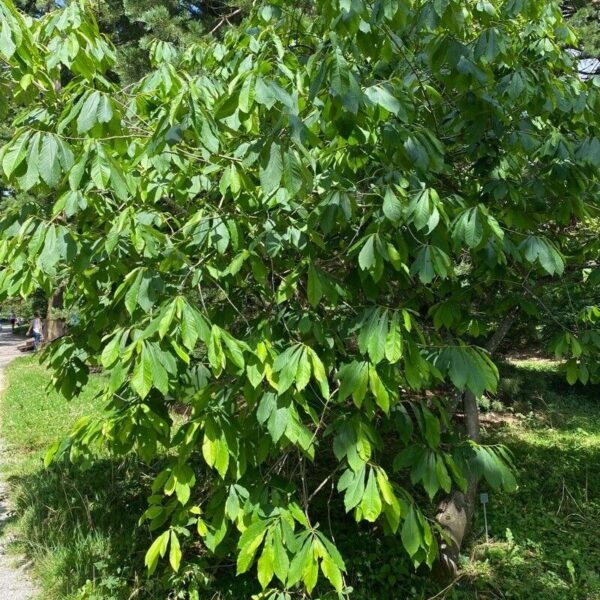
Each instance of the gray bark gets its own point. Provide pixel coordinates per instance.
(54, 328)
(456, 512)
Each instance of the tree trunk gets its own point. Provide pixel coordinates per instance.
(456, 511)
(55, 328)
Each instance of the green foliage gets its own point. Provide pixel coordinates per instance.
(84, 552)
(510, 388)
(290, 234)
(80, 550)
(542, 537)
(24, 309)
(585, 20)
(134, 25)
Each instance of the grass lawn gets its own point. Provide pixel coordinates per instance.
(544, 541)
(33, 416)
(76, 525)
(80, 526)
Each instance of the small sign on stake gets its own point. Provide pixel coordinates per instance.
(484, 500)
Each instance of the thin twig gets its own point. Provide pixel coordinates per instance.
(225, 19)
(452, 584)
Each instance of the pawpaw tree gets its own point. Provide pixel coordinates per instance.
(306, 234)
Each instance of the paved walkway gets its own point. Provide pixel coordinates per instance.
(15, 583)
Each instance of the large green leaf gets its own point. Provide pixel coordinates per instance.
(271, 171)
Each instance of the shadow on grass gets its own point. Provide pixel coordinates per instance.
(545, 535)
(81, 525)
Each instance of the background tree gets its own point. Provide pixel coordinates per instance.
(134, 24)
(584, 17)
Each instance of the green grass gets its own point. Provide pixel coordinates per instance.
(34, 416)
(544, 538)
(77, 525)
(546, 534)
(80, 526)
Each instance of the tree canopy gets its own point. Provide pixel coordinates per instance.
(304, 233)
(584, 17)
(133, 25)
